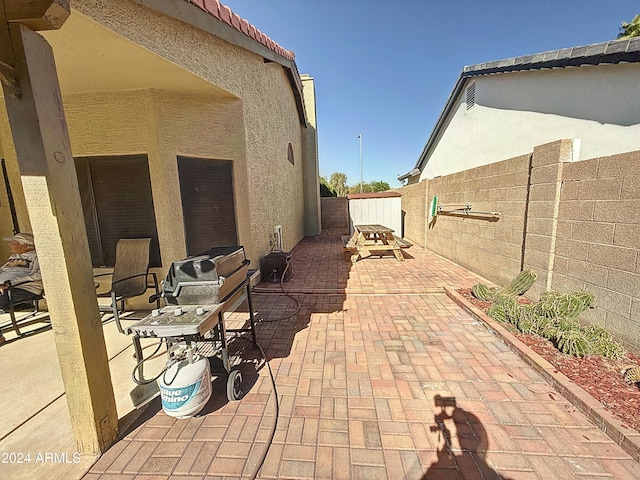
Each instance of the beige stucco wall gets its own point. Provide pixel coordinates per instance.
(248, 115)
(514, 112)
(270, 120)
(162, 125)
(312, 217)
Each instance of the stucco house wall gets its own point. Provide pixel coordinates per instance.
(237, 107)
(269, 118)
(162, 125)
(514, 112)
(505, 108)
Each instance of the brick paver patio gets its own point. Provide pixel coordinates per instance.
(379, 375)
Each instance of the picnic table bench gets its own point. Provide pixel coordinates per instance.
(373, 238)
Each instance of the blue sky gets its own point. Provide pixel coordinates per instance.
(384, 69)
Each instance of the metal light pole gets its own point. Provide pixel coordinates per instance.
(360, 137)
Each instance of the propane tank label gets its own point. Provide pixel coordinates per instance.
(174, 398)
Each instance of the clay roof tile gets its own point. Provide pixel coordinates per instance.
(213, 7)
(224, 13)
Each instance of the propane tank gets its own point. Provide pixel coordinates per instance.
(185, 386)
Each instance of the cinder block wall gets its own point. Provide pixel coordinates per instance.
(598, 240)
(489, 246)
(543, 203)
(414, 213)
(576, 224)
(335, 213)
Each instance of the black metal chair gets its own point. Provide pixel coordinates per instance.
(130, 277)
(26, 319)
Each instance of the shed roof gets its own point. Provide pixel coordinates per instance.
(612, 52)
(386, 194)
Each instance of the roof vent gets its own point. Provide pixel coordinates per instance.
(471, 95)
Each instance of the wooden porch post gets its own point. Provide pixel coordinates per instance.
(43, 154)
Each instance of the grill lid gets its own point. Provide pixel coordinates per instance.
(199, 279)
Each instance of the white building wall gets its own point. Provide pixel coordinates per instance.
(514, 112)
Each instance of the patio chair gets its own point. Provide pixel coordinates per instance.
(26, 319)
(130, 276)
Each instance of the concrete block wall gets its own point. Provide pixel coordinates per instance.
(414, 212)
(335, 213)
(541, 216)
(598, 240)
(489, 246)
(576, 224)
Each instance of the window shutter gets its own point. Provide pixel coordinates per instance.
(208, 209)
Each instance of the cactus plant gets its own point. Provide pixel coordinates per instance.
(588, 298)
(510, 306)
(555, 329)
(554, 317)
(632, 375)
(571, 306)
(573, 342)
(498, 313)
(597, 333)
(546, 308)
(555, 304)
(483, 292)
(549, 331)
(521, 284)
(609, 349)
(528, 321)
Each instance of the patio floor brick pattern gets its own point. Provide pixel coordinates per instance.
(358, 369)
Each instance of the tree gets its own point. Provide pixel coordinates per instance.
(325, 188)
(371, 187)
(379, 186)
(338, 183)
(629, 30)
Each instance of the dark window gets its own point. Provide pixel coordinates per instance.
(206, 188)
(117, 203)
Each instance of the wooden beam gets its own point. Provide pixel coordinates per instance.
(43, 154)
(37, 14)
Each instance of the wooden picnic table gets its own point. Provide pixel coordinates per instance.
(372, 238)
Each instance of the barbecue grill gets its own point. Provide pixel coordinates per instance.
(207, 278)
(198, 291)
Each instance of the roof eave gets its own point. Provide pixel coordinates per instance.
(197, 17)
(410, 174)
(441, 120)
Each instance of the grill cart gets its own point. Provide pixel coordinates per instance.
(198, 291)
